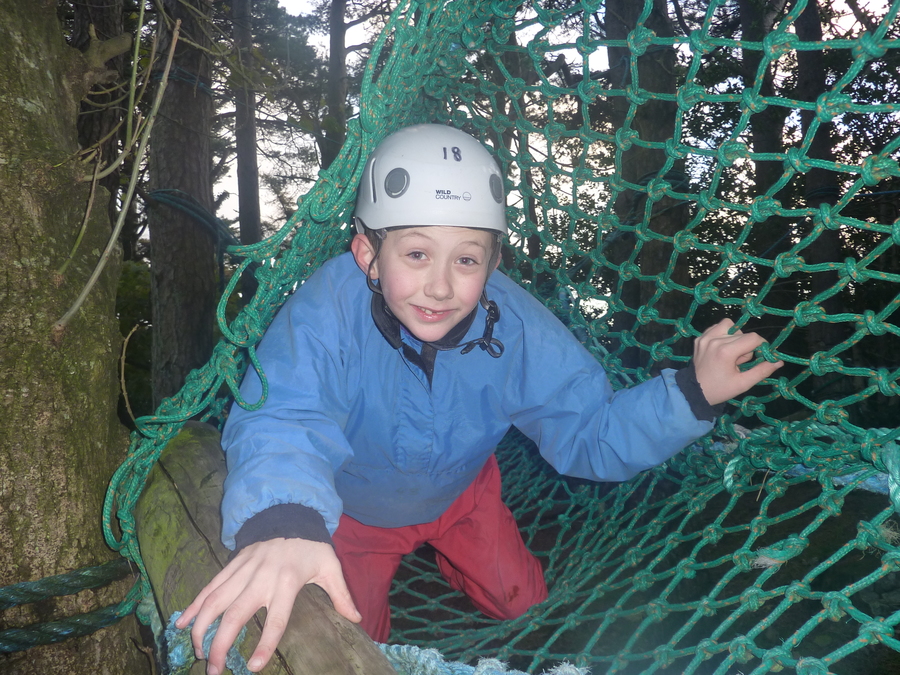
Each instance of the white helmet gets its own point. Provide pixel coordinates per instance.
(431, 174)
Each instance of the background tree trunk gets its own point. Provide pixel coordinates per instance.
(183, 252)
(245, 135)
(653, 121)
(60, 440)
(335, 123)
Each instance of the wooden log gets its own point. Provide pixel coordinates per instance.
(178, 526)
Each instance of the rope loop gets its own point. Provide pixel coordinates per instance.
(877, 168)
(831, 104)
(753, 101)
(764, 207)
(779, 42)
(689, 95)
(867, 46)
(639, 40)
(731, 151)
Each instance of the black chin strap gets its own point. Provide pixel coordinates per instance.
(487, 341)
(389, 326)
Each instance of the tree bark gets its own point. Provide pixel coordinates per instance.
(60, 440)
(654, 121)
(245, 136)
(335, 123)
(183, 252)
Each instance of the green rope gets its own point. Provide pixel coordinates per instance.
(635, 218)
(63, 584)
(20, 639)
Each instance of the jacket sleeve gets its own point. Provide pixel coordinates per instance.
(564, 402)
(286, 453)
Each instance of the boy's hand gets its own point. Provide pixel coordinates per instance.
(717, 355)
(267, 574)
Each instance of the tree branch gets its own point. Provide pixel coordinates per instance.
(60, 326)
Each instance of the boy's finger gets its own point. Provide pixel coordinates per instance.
(761, 371)
(277, 617)
(341, 599)
(233, 620)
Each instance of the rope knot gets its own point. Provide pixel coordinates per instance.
(821, 363)
(753, 598)
(876, 631)
(625, 138)
(699, 43)
(829, 412)
(777, 43)
(826, 217)
(690, 95)
(742, 647)
(640, 39)
(831, 104)
(763, 208)
(877, 168)
(796, 159)
(835, 604)
(637, 95)
(753, 102)
(664, 656)
(810, 666)
(731, 151)
(885, 381)
(868, 47)
(871, 324)
(786, 264)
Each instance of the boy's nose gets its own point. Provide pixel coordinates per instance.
(438, 285)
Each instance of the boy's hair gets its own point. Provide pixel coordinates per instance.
(376, 238)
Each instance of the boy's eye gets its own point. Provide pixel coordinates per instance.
(416, 255)
(465, 260)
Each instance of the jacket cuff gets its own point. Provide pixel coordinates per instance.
(686, 379)
(290, 521)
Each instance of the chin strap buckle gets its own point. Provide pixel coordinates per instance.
(487, 342)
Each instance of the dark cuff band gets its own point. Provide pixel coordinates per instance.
(686, 379)
(290, 521)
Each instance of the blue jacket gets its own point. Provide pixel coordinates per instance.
(351, 425)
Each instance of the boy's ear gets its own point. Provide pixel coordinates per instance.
(364, 254)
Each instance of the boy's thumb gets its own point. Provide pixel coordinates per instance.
(763, 370)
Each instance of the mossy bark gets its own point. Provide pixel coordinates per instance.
(59, 437)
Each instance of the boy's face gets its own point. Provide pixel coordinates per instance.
(431, 277)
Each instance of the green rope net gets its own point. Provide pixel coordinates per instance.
(662, 175)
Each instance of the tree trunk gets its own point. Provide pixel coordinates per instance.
(654, 121)
(60, 440)
(183, 252)
(245, 136)
(335, 123)
(821, 187)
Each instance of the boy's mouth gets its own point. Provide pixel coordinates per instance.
(432, 313)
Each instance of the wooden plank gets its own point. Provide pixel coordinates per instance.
(178, 526)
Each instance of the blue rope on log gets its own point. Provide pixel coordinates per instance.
(20, 639)
(63, 584)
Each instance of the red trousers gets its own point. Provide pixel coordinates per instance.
(479, 552)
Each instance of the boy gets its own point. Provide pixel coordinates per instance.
(393, 372)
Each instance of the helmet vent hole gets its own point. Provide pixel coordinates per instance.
(396, 182)
(496, 188)
(372, 180)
